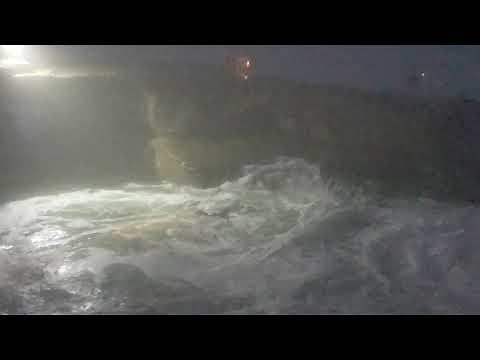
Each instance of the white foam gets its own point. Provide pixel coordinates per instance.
(274, 230)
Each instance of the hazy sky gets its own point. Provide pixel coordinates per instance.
(452, 68)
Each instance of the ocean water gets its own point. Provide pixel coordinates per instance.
(280, 239)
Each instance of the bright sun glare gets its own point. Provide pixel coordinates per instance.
(14, 50)
(13, 56)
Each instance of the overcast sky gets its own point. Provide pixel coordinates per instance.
(453, 68)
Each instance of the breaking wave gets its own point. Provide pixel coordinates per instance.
(280, 239)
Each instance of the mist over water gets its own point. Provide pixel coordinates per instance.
(279, 239)
(239, 179)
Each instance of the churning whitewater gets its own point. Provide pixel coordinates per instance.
(279, 239)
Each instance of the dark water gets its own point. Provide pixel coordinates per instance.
(278, 240)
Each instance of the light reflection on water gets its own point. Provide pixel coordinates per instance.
(49, 237)
(279, 239)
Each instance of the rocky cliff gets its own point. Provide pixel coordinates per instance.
(207, 127)
(198, 125)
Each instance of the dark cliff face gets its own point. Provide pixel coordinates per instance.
(419, 146)
(206, 125)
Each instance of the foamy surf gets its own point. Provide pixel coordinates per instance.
(280, 239)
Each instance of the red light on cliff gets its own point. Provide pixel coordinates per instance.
(240, 66)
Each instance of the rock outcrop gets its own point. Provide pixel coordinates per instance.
(199, 125)
(207, 127)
